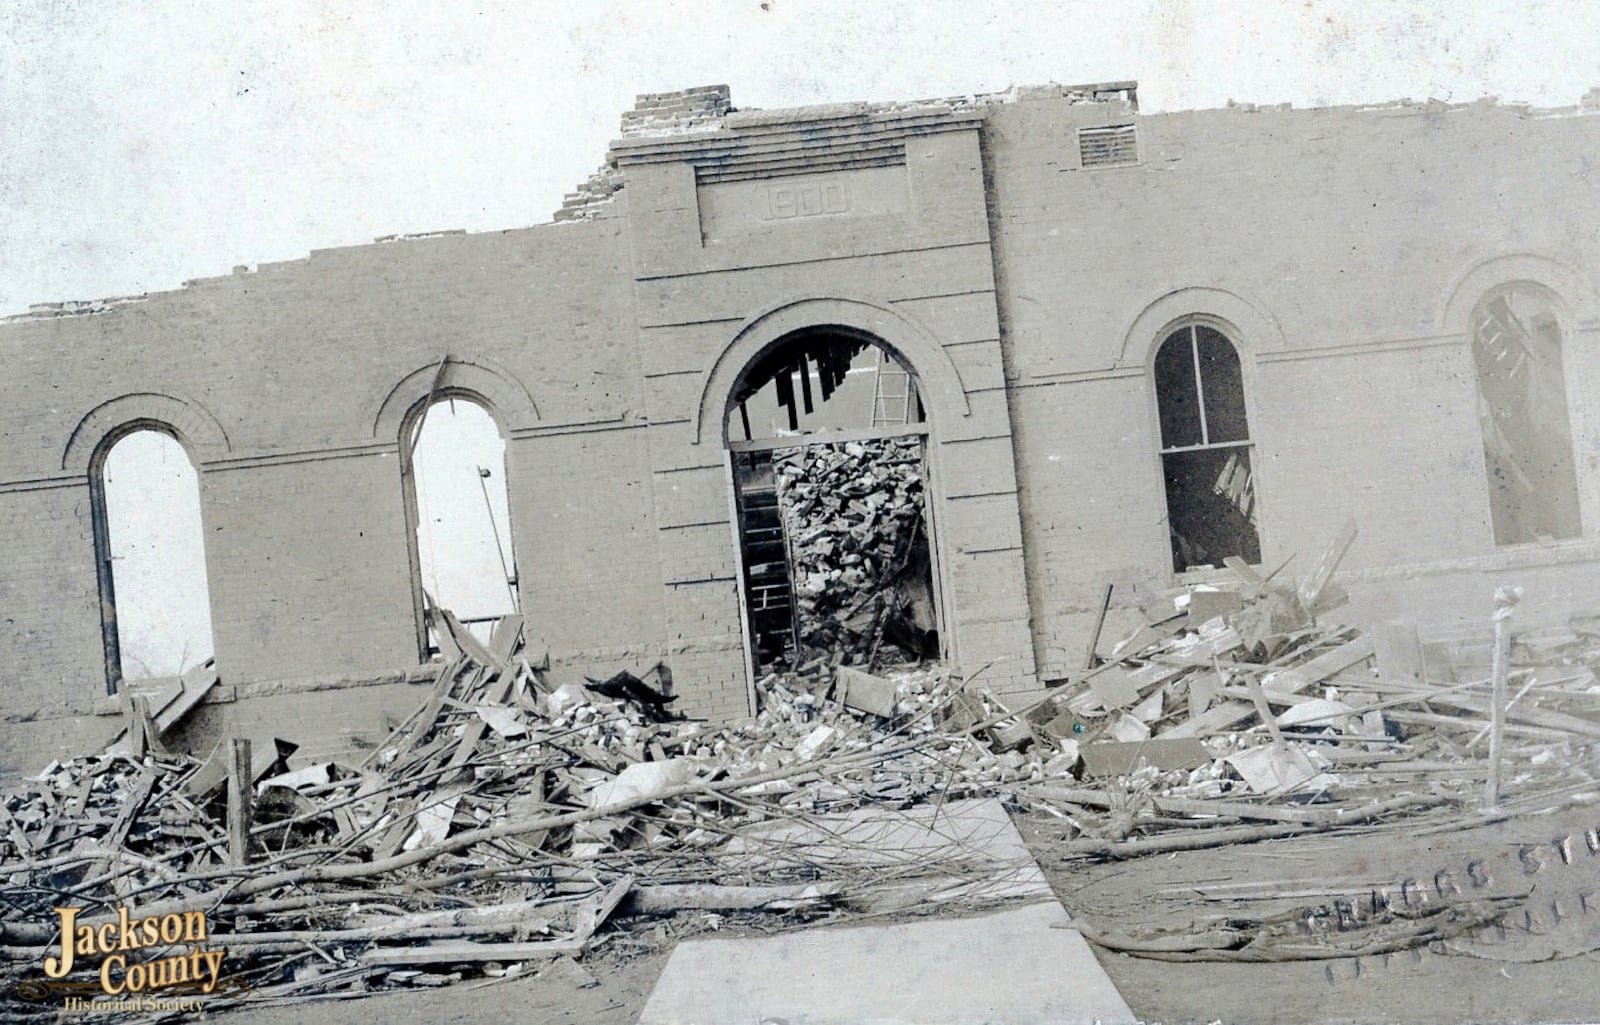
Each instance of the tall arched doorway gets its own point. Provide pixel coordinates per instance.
(155, 599)
(827, 442)
(458, 516)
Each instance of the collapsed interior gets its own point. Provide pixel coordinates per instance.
(1522, 406)
(827, 441)
(1205, 449)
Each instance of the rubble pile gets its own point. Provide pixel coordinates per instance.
(503, 823)
(1231, 702)
(858, 550)
(509, 822)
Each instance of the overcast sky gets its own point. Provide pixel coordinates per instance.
(143, 143)
(146, 142)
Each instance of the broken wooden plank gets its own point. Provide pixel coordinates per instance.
(503, 641)
(1215, 719)
(452, 951)
(1398, 649)
(1252, 584)
(668, 898)
(599, 908)
(1311, 588)
(167, 707)
(1298, 678)
(473, 732)
(469, 645)
(133, 803)
(1259, 699)
(1093, 655)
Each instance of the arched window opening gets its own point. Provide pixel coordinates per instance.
(827, 437)
(150, 547)
(461, 518)
(1522, 409)
(1205, 449)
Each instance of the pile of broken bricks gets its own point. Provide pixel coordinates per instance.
(510, 825)
(858, 559)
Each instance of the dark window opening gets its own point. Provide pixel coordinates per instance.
(461, 519)
(150, 549)
(830, 478)
(1522, 409)
(1205, 449)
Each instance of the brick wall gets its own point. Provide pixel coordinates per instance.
(1343, 247)
(288, 384)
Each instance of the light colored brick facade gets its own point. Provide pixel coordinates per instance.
(1342, 250)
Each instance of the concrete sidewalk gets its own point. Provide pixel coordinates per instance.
(1014, 966)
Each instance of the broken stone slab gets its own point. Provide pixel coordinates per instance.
(1107, 758)
(1205, 605)
(1114, 687)
(865, 692)
(1272, 771)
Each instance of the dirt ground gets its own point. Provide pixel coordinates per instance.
(1162, 891)
(1420, 988)
(550, 998)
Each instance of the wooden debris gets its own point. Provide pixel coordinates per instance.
(507, 819)
(239, 800)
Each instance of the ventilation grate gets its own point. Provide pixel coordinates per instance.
(1111, 146)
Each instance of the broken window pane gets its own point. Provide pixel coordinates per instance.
(1177, 398)
(1522, 402)
(159, 616)
(463, 529)
(1222, 383)
(1205, 449)
(1211, 506)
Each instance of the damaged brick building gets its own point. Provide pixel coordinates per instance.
(1080, 345)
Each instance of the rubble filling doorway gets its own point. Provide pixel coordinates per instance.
(827, 441)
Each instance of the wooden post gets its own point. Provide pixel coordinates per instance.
(1099, 625)
(137, 711)
(239, 800)
(1505, 599)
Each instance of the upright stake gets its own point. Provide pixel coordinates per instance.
(1505, 599)
(239, 801)
(1099, 625)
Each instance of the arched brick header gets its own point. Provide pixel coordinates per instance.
(197, 430)
(509, 402)
(1247, 326)
(917, 347)
(1571, 292)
